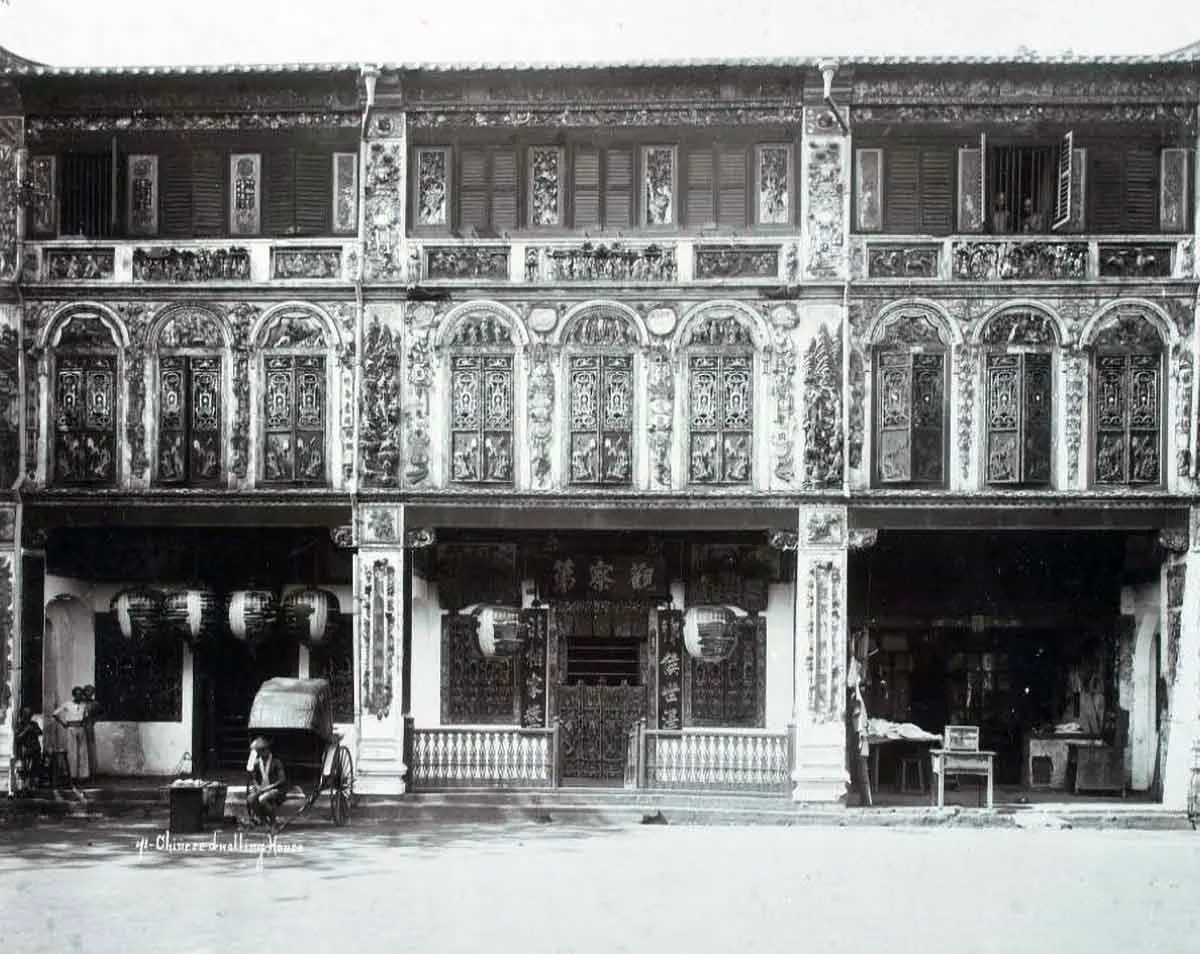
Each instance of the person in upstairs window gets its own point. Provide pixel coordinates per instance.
(1032, 221)
(268, 783)
(1001, 215)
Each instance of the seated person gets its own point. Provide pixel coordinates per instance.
(27, 754)
(268, 783)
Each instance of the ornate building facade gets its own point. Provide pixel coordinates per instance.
(612, 410)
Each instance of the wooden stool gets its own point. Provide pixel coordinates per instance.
(912, 774)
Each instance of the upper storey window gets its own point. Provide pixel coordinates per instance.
(481, 402)
(190, 400)
(1127, 402)
(720, 368)
(602, 185)
(911, 404)
(186, 192)
(600, 395)
(1067, 185)
(294, 403)
(85, 368)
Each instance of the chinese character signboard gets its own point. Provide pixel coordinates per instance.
(533, 669)
(615, 577)
(670, 669)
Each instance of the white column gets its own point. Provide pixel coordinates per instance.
(380, 568)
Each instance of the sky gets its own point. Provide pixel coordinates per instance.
(206, 32)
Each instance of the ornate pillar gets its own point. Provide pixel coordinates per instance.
(819, 772)
(10, 659)
(380, 575)
(1180, 636)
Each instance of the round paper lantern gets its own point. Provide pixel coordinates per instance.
(138, 611)
(252, 614)
(194, 613)
(498, 630)
(707, 633)
(308, 615)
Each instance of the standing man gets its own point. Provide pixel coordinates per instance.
(71, 716)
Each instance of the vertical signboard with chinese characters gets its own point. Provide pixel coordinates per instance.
(670, 670)
(533, 668)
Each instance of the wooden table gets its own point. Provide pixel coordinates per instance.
(949, 762)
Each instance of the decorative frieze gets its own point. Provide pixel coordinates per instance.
(541, 415)
(313, 264)
(736, 261)
(1024, 116)
(903, 261)
(1020, 261)
(176, 265)
(183, 122)
(380, 413)
(78, 264)
(383, 202)
(601, 263)
(480, 263)
(1030, 85)
(601, 117)
(1136, 261)
(823, 411)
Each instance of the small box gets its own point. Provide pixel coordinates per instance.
(961, 738)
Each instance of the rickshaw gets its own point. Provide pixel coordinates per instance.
(296, 717)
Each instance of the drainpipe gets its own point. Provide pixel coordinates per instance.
(828, 68)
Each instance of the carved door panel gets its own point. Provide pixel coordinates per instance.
(594, 723)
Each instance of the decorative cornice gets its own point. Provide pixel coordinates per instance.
(190, 122)
(1023, 113)
(602, 116)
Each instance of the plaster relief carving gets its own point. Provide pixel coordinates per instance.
(660, 380)
(660, 322)
(137, 320)
(416, 406)
(543, 320)
(826, 528)
(1181, 376)
(380, 407)
(783, 393)
(383, 200)
(823, 411)
(1075, 376)
(825, 642)
(242, 318)
(824, 229)
(379, 632)
(965, 368)
(541, 415)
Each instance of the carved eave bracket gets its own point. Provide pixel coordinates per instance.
(1174, 542)
(862, 539)
(420, 538)
(342, 537)
(785, 540)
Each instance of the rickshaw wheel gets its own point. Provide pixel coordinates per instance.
(341, 787)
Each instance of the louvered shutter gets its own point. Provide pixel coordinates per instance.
(208, 193)
(1141, 190)
(732, 209)
(699, 210)
(279, 207)
(313, 185)
(473, 189)
(618, 188)
(586, 195)
(1106, 168)
(937, 190)
(902, 190)
(504, 190)
(175, 193)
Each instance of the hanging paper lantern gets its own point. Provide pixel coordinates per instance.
(138, 611)
(194, 613)
(308, 615)
(252, 614)
(708, 634)
(498, 630)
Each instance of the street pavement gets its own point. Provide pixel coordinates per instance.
(561, 888)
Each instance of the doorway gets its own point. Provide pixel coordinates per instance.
(603, 653)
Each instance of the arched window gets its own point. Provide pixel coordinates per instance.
(85, 403)
(1019, 388)
(1127, 402)
(481, 401)
(190, 354)
(600, 394)
(720, 368)
(910, 404)
(294, 411)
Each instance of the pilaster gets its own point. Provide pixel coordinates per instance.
(380, 574)
(822, 539)
(1181, 665)
(9, 638)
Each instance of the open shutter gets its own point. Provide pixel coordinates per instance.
(279, 207)
(208, 194)
(586, 194)
(504, 190)
(699, 209)
(902, 186)
(473, 189)
(1062, 202)
(311, 191)
(732, 208)
(1173, 190)
(972, 187)
(869, 194)
(618, 189)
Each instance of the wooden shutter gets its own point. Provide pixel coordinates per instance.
(279, 206)
(1107, 174)
(504, 189)
(902, 189)
(699, 209)
(208, 193)
(586, 194)
(1065, 182)
(1174, 183)
(175, 193)
(1141, 190)
(311, 189)
(473, 189)
(618, 188)
(937, 190)
(732, 208)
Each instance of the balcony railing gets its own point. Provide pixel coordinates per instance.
(608, 261)
(484, 757)
(190, 261)
(1023, 259)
